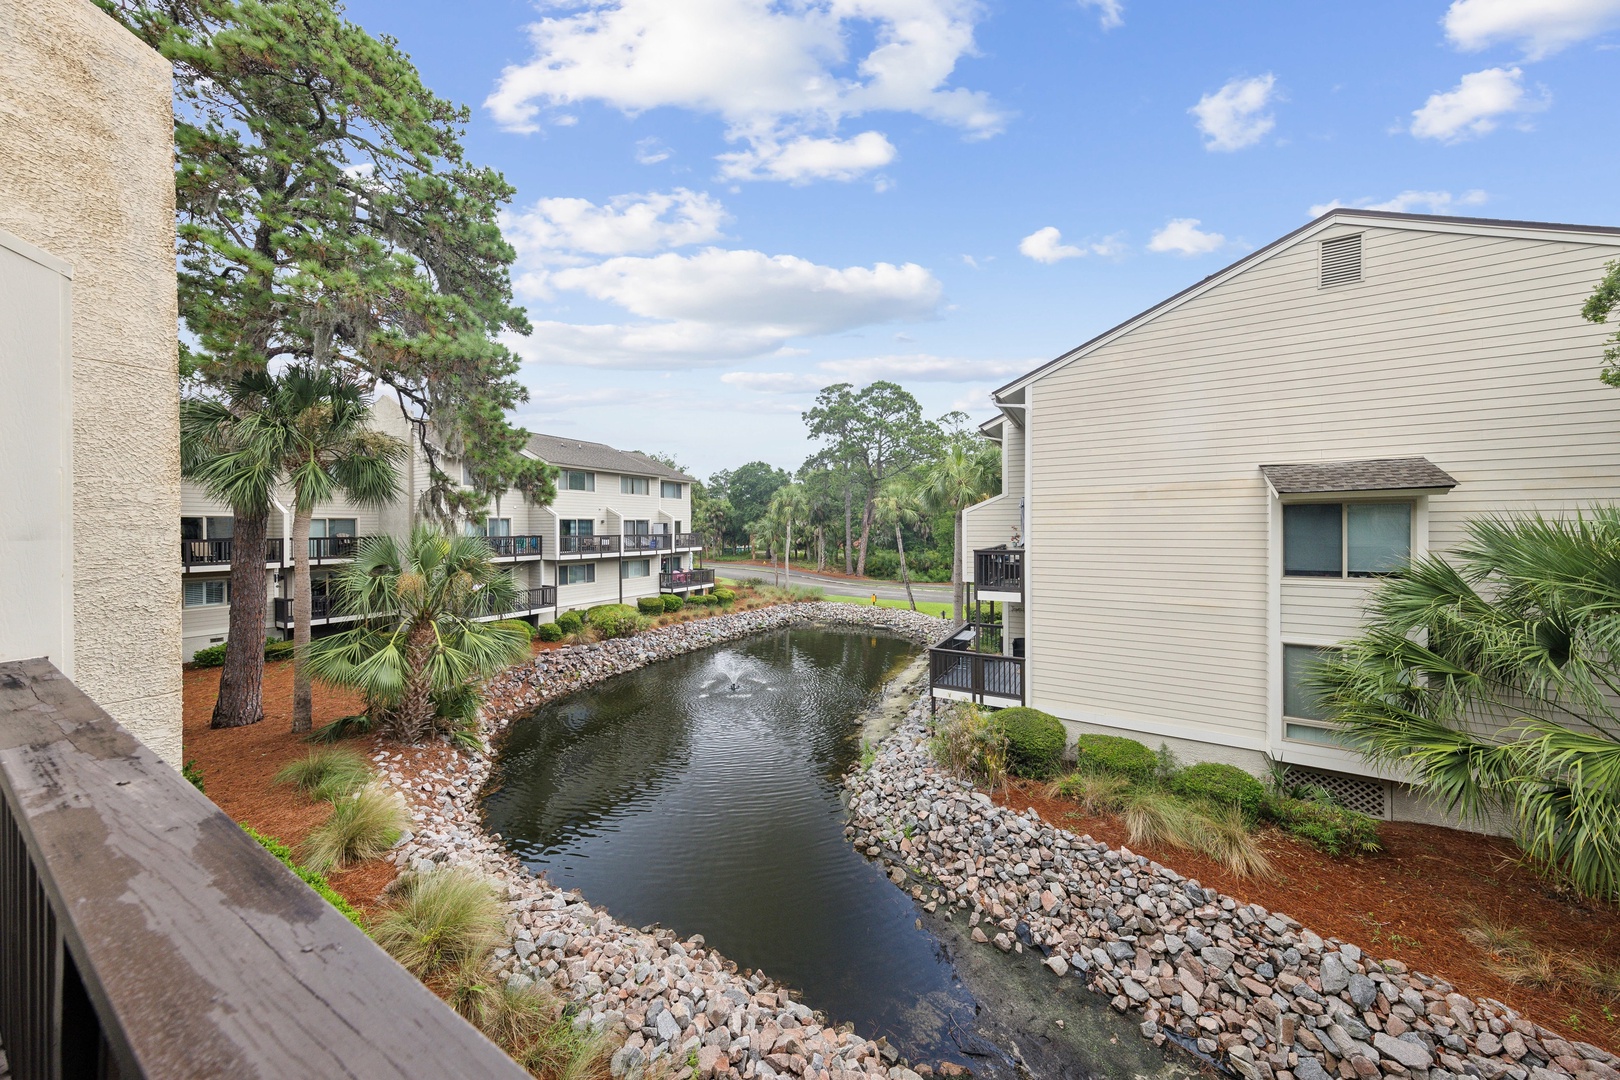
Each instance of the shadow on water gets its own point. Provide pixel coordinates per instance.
(702, 793)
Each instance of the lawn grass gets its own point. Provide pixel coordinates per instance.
(927, 607)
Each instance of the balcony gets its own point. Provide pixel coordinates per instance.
(322, 611)
(516, 548)
(998, 574)
(330, 549)
(688, 542)
(969, 666)
(638, 543)
(528, 602)
(144, 935)
(215, 555)
(587, 545)
(685, 580)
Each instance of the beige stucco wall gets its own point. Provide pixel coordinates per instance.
(86, 174)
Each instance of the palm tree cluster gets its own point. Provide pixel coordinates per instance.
(1492, 680)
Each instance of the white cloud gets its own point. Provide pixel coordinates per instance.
(921, 367)
(807, 158)
(1183, 237)
(716, 306)
(773, 72)
(1110, 13)
(774, 382)
(1473, 107)
(1046, 246)
(1433, 202)
(624, 225)
(651, 150)
(1542, 27)
(1235, 116)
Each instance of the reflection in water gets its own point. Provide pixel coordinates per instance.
(702, 793)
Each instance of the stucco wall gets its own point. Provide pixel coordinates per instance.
(86, 163)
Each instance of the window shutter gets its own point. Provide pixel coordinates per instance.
(1341, 261)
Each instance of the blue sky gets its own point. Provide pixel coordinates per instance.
(723, 205)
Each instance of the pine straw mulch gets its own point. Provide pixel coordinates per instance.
(1409, 903)
(238, 764)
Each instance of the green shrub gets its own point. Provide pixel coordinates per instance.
(519, 626)
(534, 1026)
(277, 649)
(571, 622)
(549, 631)
(1221, 786)
(650, 605)
(1097, 793)
(1034, 741)
(702, 599)
(362, 826)
(212, 656)
(190, 771)
(969, 742)
(1117, 755)
(441, 920)
(1324, 825)
(673, 602)
(724, 597)
(309, 877)
(328, 774)
(616, 620)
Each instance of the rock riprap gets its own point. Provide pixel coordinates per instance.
(1262, 994)
(675, 999)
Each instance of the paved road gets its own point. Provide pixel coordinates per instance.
(838, 586)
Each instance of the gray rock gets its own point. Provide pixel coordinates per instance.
(519, 983)
(1413, 1055)
(1363, 992)
(1216, 957)
(668, 1029)
(1334, 976)
(1196, 939)
(1121, 950)
(1310, 1069)
(1059, 966)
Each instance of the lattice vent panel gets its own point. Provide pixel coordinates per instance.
(1356, 792)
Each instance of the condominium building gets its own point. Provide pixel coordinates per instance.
(1198, 501)
(619, 529)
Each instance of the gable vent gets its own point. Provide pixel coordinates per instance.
(1341, 260)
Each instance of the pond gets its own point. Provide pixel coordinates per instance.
(702, 793)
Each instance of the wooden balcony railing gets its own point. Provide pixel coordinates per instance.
(685, 579)
(206, 553)
(516, 547)
(588, 545)
(969, 665)
(144, 935)
(999, 570)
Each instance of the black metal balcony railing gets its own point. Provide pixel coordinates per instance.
(588, 545)
(218, 552)
(636, 542)
(685, 579)
(144, 935)
(329, 548)
(516, 547)
(322, 608)
(528, 601)
(685, 541)
(999, 569)
(970, 663)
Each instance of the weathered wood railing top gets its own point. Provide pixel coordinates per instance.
(198, 953)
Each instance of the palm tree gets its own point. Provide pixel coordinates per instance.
(961, 477)
(1493, 681)
(898, 505)
(419, 601)
(328, 449)
(789, 506)
(221, 448)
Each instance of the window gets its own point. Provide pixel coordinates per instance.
(466, 474)
(207, 593)
(490, 527)
(1357, 539)
(669, 489)
(576, 574)
(635, 568)
(633, 485)
(638, 528)
(207, 528)
(577, 526)
(1304, 716)
(577, 480)
(322, 527)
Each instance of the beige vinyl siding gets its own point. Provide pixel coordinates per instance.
(1318, 611)
(988, 524)
(1150, 521)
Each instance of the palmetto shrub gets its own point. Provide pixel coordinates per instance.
(1491, 677)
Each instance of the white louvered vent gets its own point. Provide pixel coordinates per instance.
(1341, 260)
(1354, 792)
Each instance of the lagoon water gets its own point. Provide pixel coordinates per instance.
(702, 793)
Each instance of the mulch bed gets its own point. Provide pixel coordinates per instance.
(238, 764)
(1408, 903)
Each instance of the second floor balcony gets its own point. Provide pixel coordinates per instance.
(517, 548)
(323, 610)
(587, 545)
(527, 602)
(215, 555)
(998, 574)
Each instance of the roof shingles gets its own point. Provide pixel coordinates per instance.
(1383, 474)
(599, 457)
